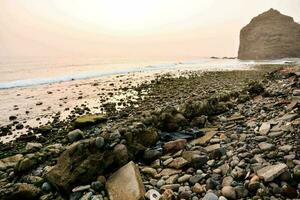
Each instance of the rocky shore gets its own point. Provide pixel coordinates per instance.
(214, 135)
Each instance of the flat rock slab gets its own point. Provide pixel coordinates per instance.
(126, 184)
(287, 117)
(10, 161)
(235, 118)
(264, 146)
(178, 163)
(212, 148)
(169, 172)
(275, 134)
(204, 139)
(269, 173)
(85, 120)
(174, 145)
(264, 128)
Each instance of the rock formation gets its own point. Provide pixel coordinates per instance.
(270, 35)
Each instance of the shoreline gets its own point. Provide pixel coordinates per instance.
(33, 106)
(207, 64)
(107, 95)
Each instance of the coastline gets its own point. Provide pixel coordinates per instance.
(164, 105)
(40, 105)
(34, 105)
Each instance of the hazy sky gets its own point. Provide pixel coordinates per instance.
(129, 28)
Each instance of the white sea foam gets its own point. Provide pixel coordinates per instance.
(93, 71)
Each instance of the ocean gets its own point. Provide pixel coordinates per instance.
(34, 89)
(31, 71)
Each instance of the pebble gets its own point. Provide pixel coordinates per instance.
(184, 178)
(100, 142)
(229, 192)
(160, 183)
(210, 196)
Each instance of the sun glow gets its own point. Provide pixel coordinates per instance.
(132, 16)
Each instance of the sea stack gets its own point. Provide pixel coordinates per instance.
(270, 35)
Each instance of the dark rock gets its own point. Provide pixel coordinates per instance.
(21, 191)
(75, 135)
(100, 142)
(211, 184)
(255, 88)
(12, 118)
(97, 186)
(81, 163)
(121, 154)
(151, 154)
(46, 187)
(199, 121)
(170, 119)
(290, 192)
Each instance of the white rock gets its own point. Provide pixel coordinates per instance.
(265, 128)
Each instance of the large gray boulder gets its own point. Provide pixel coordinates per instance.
(270, 35)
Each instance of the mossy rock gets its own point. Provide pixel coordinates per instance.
(26, 164)
(87, 120)
(44, 129)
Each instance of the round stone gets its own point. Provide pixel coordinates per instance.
(100, 142)
(160, 183)
(97, 186)
(46, 187)
(229, 192)
(210, 196)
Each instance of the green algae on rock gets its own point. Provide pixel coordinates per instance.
(90, 119)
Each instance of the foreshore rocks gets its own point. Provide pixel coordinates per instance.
(213, 148)
(270, 35)
(126, 184)
(79, 164)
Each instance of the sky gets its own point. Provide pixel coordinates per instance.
(129, 28)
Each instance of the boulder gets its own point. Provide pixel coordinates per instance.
(192, 109)
(10, 161)
(271, 172)
(170, 119)
(139, 137)
(75, 135)
(80, 164)
(28, 163)
(33, 146)
(270, 35)
(19, 191)
(175, 145)
(86, 120)
(126, 184)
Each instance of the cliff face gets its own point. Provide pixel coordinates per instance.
(270, 35)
